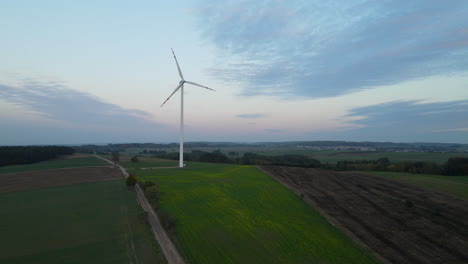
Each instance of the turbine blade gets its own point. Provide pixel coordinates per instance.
(196, 84)
(178, 67)
(176, 89)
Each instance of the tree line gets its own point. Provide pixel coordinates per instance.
(454, 166)
(29, 154)
(247, 159)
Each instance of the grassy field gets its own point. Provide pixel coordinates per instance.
(54, 164)
(144, 162)
(333, 156)
(236, 214)
(81, 223)
(455, 185)
(148, 163)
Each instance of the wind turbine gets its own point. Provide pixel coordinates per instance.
(181, 87)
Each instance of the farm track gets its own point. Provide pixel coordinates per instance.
(371, 209)
(19, 181)
(167, 247)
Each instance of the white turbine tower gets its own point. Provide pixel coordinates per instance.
(181, 87)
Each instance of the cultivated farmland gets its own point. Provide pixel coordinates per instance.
(47, 178)
(81, 223)
(55, 164)
(401, 222)
(98, 221)
(237, 214)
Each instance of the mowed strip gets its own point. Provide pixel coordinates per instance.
(401, 222)
(10, 182)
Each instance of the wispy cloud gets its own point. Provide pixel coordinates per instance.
(253, 116)
(410, 121)
(328, 48)
(58, 108)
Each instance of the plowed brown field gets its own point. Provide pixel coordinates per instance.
(400, 222)
(10, 182)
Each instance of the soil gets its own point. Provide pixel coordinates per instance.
(10, 182)
(400, 223)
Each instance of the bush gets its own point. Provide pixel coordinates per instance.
(166, 221)
(147, 184)
(152, 193)
(456, 166)
(131, 180)
(135, 159)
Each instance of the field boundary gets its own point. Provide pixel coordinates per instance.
(331, 220)
(167, 247)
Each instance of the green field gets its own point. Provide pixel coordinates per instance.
(55, 164)
(236, 214)
(333, 156)
(148, 163)
(81, 223)
(455, 185)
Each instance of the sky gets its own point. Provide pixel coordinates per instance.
(79, 72)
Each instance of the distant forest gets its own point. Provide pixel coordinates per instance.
(455, 166)
(379, 146)
(30, 154)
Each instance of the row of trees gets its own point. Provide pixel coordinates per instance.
(152, 194)
(247, 159)
(30, 154)
(454, 166)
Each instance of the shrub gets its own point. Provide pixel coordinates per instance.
(135, 159)
(147, 184)
(166, 220)
(131, 180)
(152, 193)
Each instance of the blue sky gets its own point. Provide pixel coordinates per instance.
(77, 72)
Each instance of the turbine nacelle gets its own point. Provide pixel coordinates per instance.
(182, 81)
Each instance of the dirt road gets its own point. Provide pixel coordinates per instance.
(167, 247)
(400, 222)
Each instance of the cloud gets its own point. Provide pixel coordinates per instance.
(77, 115)
(406, 121)
(329, 48)
(270, 130)
(256, 115)
(465, 129)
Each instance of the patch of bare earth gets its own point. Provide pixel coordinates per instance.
(11, 182)
(431, 228)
